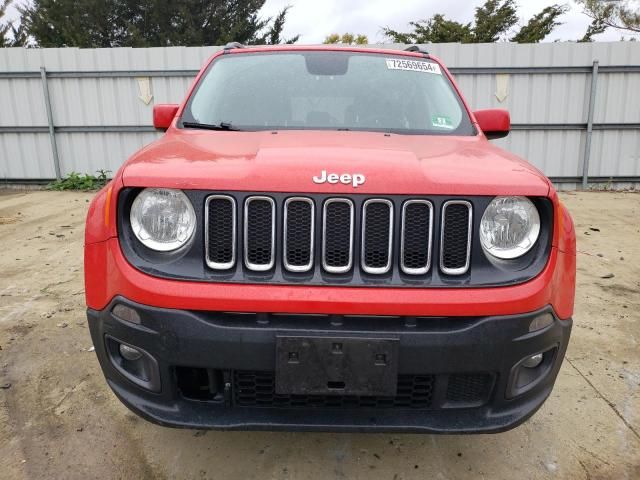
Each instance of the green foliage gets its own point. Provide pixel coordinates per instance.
(346, 39)
(361, 39)
(596, 27)
(4, 27)
(150, 23)
(621, 14)
(436, 29)
(7, 28)
(76, 181)
(274, 31)
(540, 25)
(493, 21)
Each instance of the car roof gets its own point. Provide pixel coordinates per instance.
(417, 51)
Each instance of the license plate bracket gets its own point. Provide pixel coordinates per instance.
(336, 366)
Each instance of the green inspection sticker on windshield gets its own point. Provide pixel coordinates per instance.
(441, 121)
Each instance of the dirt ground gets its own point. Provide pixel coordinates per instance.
(58, 418)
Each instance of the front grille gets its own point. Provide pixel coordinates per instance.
(257, 389)
(221, 231)
(417, 225)
(337, 239)
(299, 223)
(377, 235)
(259, 233)
(372, 237)
(456, 237)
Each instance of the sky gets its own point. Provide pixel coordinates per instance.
(315, 19)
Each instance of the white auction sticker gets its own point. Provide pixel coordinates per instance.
(413, 65)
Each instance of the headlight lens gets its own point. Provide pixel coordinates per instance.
(162, 219)
(510, 227)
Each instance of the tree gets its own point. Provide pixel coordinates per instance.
(5, 28)
(12, 34)
(596, 27)
(540, 25)
(620, 14)
(492, 21)
(346, 39)
(149, 23)
(272, 36)
(437, 29)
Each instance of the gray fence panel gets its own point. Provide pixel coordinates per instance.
(21, 102)
(615, 153)
(99, 89)
(90, 152)
(25, 156)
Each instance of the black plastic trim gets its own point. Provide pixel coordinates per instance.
(190, 263)
(210, 340)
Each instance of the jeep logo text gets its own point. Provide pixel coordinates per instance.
(355, 179)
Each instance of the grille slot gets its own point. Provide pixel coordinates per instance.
(377, 234)
(337, 235)
(299, 223)
(455, 237)
(220, 232)
(259, 233)
(416, 234)
(257, 389)
(472, 389)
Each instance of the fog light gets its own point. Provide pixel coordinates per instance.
(532, 362)
(130, 353)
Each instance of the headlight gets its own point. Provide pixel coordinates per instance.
(510, 227)
(162, 219)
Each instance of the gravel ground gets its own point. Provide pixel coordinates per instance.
(58, 419)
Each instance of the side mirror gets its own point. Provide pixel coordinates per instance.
(494, 122)
(163, 115)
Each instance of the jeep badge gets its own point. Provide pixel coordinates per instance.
(356, 179)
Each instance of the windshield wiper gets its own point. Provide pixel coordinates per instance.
(212, 126)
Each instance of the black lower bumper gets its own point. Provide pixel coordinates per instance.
(216, 370)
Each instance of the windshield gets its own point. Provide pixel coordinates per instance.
(327, 90)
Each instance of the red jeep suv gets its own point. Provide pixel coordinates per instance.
(325, 239)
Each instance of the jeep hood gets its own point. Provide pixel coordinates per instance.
(286, 161)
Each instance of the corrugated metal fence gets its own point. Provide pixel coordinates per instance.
(572, 105)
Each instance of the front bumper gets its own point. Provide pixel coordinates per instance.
(467, 364)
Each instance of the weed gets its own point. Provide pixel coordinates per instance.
(77, 181)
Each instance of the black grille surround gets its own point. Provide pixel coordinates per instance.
(407, 266)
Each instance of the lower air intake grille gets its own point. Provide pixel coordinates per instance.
(469, 388)
(257, 389)
(456, 237)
